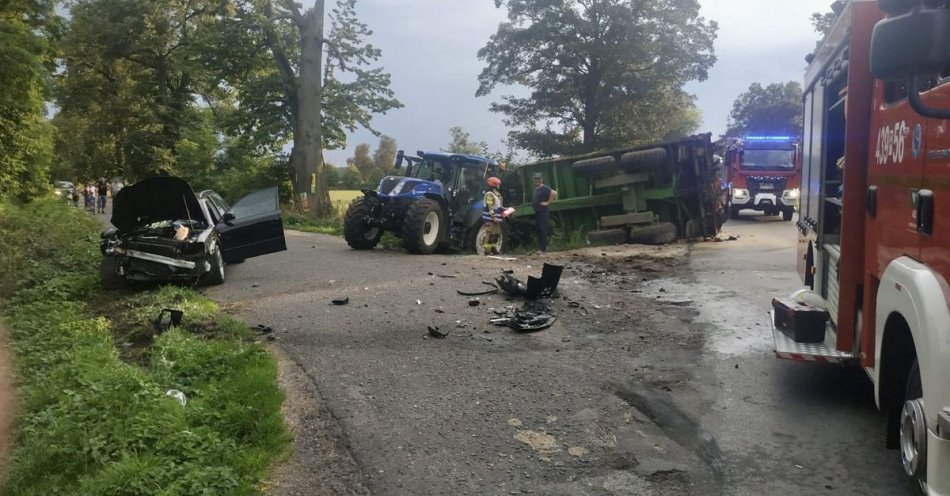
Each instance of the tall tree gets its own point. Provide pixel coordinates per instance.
(462, 142)
(132, 73)
(385, 155)
(597, 69)
(362, 160)
(27, 29)
(775, 109)
(823, 22)
(325, 87)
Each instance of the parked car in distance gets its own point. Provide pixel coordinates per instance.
(64, 190)
(165, 232)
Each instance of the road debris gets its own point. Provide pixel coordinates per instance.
(178, 395)
(533, 316)
(543, 287)
(474, 302)
(482, 292)
(341, 301)
(261, 328)
(436, 333)
(168, 317)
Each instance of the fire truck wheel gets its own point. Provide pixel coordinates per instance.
(913, 431)
(657, 234)
(787, 214)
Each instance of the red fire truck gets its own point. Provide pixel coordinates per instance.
(874, 234)
(764, 174)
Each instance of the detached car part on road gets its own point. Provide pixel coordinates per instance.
(165, 232)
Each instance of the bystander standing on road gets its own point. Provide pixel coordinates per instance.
(102, 189)
(543, 196)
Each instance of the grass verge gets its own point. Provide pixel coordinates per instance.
(93, 413)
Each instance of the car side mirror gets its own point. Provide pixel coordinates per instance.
(227, 217)
(913, 46)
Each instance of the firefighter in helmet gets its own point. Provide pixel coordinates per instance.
(493, 216)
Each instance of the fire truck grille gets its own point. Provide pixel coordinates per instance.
(766, 185)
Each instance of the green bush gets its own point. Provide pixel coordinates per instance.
(90, 422)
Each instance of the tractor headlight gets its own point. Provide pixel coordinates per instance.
(740, 193)
(398, 189)
(792, 194)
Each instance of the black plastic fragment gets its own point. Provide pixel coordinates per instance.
(436, 333)
(168, 317)
(341, 301)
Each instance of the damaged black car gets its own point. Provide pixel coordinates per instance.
(164, 232)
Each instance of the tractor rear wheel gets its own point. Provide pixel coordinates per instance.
(356, 231)
(423, 227)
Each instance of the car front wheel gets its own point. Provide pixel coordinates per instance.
(215, 276)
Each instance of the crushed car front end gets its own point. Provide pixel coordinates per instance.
(157, 253)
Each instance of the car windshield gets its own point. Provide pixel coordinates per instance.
(432, 170)
(768, 159)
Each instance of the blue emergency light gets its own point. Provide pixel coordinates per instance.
(769, 138)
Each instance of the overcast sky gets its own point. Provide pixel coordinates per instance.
(429, 47)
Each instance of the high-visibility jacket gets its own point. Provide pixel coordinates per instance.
(493, 207)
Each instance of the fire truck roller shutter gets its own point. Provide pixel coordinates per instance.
(913, 299)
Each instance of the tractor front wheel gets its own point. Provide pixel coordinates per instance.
(423, 227)
(476, 240)
(356, 231)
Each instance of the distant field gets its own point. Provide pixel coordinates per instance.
(342, 198)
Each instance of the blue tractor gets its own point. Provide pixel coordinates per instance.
(437, 204)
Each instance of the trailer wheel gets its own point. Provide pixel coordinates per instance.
(642, 159)
(357, 233)
(787, 214)
(608, 237)
(423, 228)
(913, 432)
(597, 165)
(658, 234)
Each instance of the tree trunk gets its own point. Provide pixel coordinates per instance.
(306, 157)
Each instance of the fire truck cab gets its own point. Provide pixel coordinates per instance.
(874, 228)
(764, 174)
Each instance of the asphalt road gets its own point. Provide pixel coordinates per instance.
(656, 379)
(784, 427)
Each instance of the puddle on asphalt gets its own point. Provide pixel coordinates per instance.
(736, 328)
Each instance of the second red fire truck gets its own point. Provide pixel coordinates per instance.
(764, 174)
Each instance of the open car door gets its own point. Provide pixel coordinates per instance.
(252, 227)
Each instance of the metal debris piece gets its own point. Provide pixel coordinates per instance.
(436, 333)
(504, 259)
(341, 301)
(484, 292)
(533, 316)
(168, 317)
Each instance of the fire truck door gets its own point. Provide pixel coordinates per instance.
(896, 170)
(934, 201)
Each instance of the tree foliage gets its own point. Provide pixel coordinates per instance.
(385, 155)
(823, 22)
(775, 109)
(362, 160)
(462, 142)
(602, 73)
(28, 29)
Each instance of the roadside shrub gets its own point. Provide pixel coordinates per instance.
(91, 423)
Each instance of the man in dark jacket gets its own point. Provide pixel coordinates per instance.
(543, 196)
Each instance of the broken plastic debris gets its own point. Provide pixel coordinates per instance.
(168, 317)
(474, 302)
(341, 301)
(178, 395)
(436, 333)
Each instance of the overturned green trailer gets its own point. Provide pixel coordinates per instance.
(647, 194)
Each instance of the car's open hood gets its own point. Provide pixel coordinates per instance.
(154, 200)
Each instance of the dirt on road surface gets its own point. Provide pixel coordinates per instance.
(592, 405)
(7, 400)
